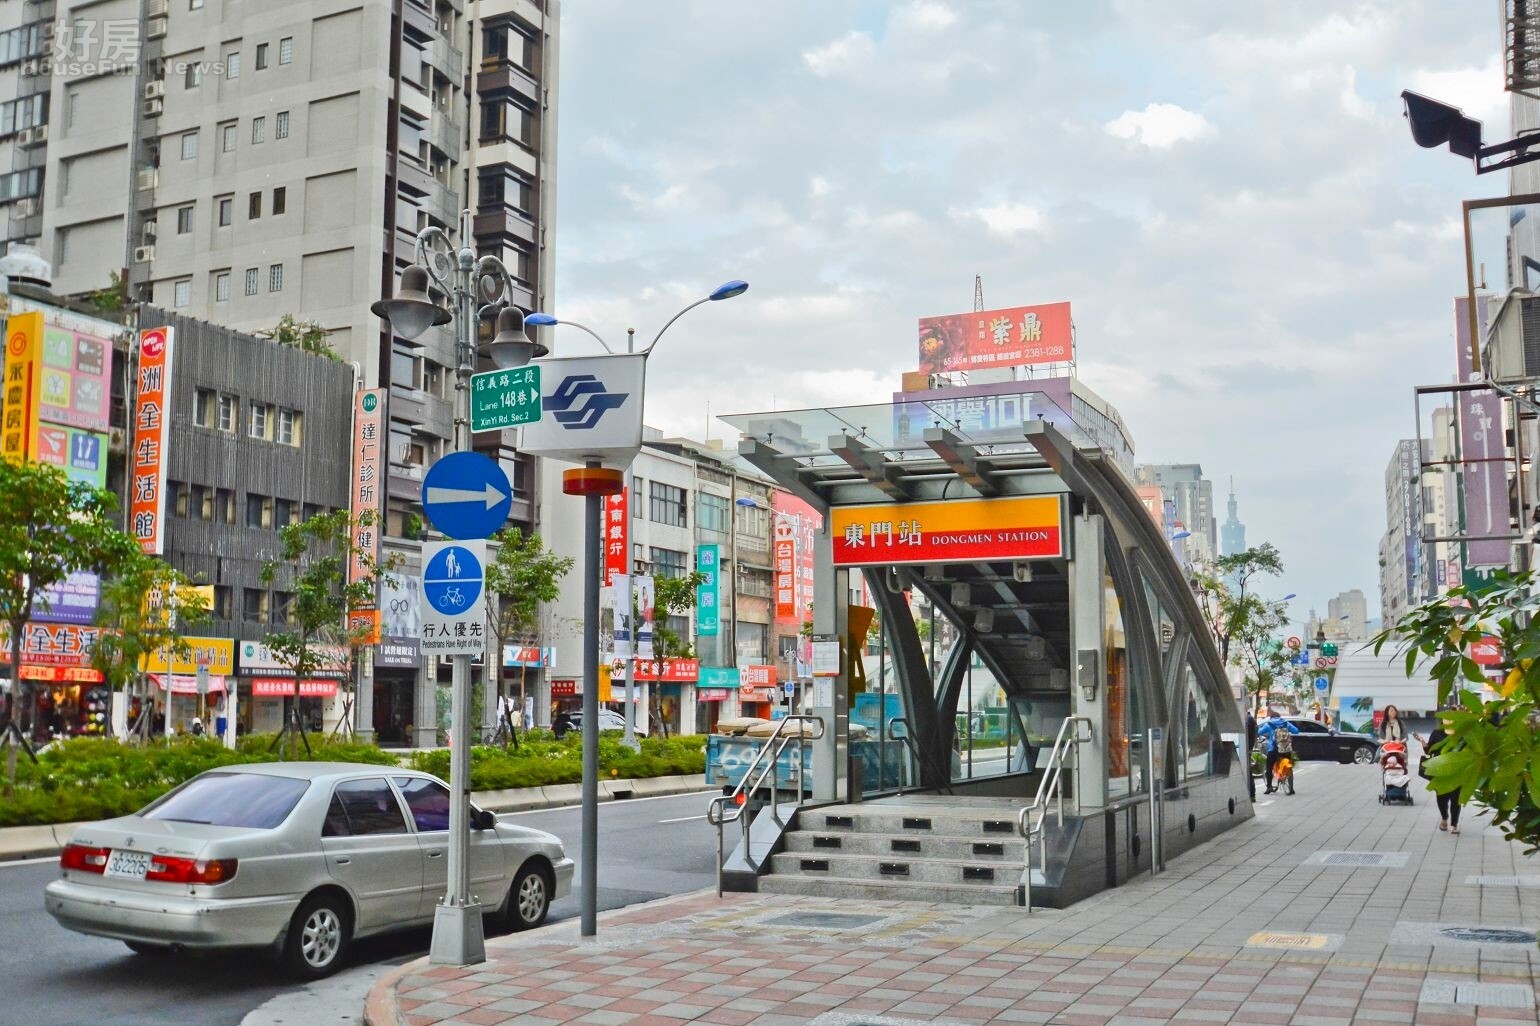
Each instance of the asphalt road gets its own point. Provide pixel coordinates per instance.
(648, 849)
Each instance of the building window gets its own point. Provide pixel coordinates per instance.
(233, 64)
(224, 505)
(259, 511)
(259, 420)
(64, 176)
(222, 610)
(254, 206)
(288, 426)
(178, 503)
(711, 513)
(638, 487)
(280, 200)
(666, 505)
(181, 292)
(286, 50)
(283, 513)
(192, 78)
(252, 278)
(205, 407)
(668, 563)
(226, 211)
(275, 278)
(189, 145)
(254, 606)
(227, 413)
(227, 137)
(258, 129)
(195, 5)
(261, 56)
(71, 107)
(184, 220)
(282, 128)
(283, 608)
(222, 287)
(753, 521)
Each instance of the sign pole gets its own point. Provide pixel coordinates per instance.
(594, 556)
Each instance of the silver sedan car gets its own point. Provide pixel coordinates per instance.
(299, 858)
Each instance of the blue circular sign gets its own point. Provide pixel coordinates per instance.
(1322, 684)
(451, 581)
(466, 495)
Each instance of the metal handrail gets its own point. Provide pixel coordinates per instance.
(729, 807)
(1050, 789)
(919, 757)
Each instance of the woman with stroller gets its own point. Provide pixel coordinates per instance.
(1391, 727)
(1448, 802)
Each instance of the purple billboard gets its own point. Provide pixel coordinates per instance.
(1483, 469)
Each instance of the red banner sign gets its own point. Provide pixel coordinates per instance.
(617, 533)
(958, 531)
(61, 674)
(756, 676)
(756, 694)
(676, 671)
(996, 338)
(147, 456)
(712, 695)
(785, 572)
(281, 687)
(52, 644)
(563, 688)
(1486, 651)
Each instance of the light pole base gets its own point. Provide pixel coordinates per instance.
(458, 936)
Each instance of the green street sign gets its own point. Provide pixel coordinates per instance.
(1329, 650)
(505, 398)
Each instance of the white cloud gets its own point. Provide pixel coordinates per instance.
(849, 53)
(1159, 126)
(927, 16)
(1008, 218)
(818, 186)
(1476, 91)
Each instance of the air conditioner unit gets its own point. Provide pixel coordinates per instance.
(149, 178)
(144, 255)
(24, 137)
(39, 134)
(1512, 350)
(153, 108)
(155, 28)
(150, 230)
(157, 8)
(31, 67)
(154, 90)
(26, 208)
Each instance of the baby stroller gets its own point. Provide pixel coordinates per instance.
(1395, 781)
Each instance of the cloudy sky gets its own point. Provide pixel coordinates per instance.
(1261, 263)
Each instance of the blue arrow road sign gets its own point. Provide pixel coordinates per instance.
(1322, 684)
(466, 495)
(451, 582)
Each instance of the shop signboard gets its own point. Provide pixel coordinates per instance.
(785, 556)
(257, 660)
(52, 644)
(756, 675)
(795, 516)
(76, 374)
(81, 454)
(1486, 651)
(62, 674)
(151, 432)
(669, 671)
(187, 683)
(286, 687)
(23, 370)
(959, 531)
(717, 676)
(368, 489)
(708, 620)
(983, 339)
(617, 529)
(1483, 473)
(400, 605)
(397, 652)
(712, 694)
(516, 655)
(563, 688)
(72, 600)
(217, 654)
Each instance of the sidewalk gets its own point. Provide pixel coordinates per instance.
(1263, 926)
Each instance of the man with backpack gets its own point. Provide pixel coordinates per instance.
(1278, 735)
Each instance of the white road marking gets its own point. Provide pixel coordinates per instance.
(623, 801)
(685, 819)
(29, 862)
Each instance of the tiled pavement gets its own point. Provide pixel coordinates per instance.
(1176, 948)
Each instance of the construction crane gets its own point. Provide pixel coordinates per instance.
(978, 292)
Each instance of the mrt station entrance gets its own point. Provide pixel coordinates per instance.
(1048, 712)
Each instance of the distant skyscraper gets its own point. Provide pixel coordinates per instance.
(1184, 484)
(1233, 534)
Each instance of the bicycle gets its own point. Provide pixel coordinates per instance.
(454, 598)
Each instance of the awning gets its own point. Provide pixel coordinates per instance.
(284, 687)
(187, 683)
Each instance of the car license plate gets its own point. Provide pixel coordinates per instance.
(130, 864)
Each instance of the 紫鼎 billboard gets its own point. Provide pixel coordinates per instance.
(996, 338)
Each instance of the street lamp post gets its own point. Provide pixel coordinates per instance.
(465, 279)
(588, 859)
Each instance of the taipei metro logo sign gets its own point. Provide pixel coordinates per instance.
(580, 401)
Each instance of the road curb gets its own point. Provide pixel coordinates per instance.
(380, 1007)
(26, 842)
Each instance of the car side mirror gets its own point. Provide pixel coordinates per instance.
(484, 819)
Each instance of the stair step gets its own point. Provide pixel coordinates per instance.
(939, 871)
(944, 846)
(880, 819)
(890, 889)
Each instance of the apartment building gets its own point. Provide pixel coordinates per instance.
(1193, 495)
(235, 162)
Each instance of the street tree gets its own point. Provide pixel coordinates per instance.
(313, 564)
(672, 596)
(1492, 755)
(139, 620)
(524, 577)
(1263, 662)
(1227, 592)
(50, 527)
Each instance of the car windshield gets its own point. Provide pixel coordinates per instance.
(230, 799)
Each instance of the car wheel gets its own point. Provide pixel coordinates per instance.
(318, 937)
(529, 899)
(1363, 755)
(149, 950)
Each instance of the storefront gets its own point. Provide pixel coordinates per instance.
(564, 698)
(267, 683)
(397, 662)
(55, 665)
(523, 669)
(757, 691)
(214, 655)
(674, 682)
(187, 701)
(716, 697)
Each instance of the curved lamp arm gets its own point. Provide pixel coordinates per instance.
(439, 238)
(671, 320)
(545, 320)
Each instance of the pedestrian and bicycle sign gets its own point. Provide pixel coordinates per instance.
(505, 398)
(466, 495)
(453, 578)
(1322, 684)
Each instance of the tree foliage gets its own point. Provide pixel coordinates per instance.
(523, 577)
(1493, 753)
(1227, 593)
(50, 527)
(309, 336)
(671, 597)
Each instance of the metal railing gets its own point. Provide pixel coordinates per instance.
(731, 807)
(1050, 790)
(920, 762)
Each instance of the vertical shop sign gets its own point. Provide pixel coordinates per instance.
(22, 341)
(708, 620)
(147, 457)
(785, 571)
(617, 528)
(368, 419)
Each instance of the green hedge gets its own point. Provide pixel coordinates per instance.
(98, 778)
(542, 759)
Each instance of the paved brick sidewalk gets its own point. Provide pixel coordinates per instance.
(1360, 944)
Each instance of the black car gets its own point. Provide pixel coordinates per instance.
(1317, 742)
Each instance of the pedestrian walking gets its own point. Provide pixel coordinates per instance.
(1278, 734)
(1251, 746)
(1448, 801)
(197, 727)
(561, 724)
(1392, 727)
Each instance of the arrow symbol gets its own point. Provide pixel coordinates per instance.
(491, 496)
